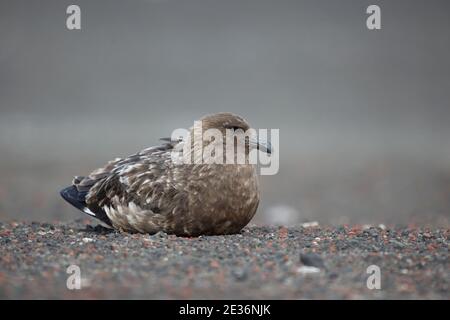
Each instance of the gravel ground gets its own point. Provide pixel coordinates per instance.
(262, 262)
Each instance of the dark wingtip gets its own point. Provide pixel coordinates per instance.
(63, 193)
(77, 199)
(72, 196)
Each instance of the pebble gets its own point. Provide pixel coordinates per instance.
(312, 260)
(311, 224)
(239, 274)
(307, 270)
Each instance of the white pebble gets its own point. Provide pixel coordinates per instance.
(310, 224)
(307, 270)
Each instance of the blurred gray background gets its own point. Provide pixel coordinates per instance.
(363, 115)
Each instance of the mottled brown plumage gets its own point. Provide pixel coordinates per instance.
(147, 192)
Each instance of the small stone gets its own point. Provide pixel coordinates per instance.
(87, 240)
(311, 224)
(397, 243)
(307, 270)
(239, 274)
(312, 259)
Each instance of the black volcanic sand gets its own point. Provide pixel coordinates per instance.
(261, 262)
